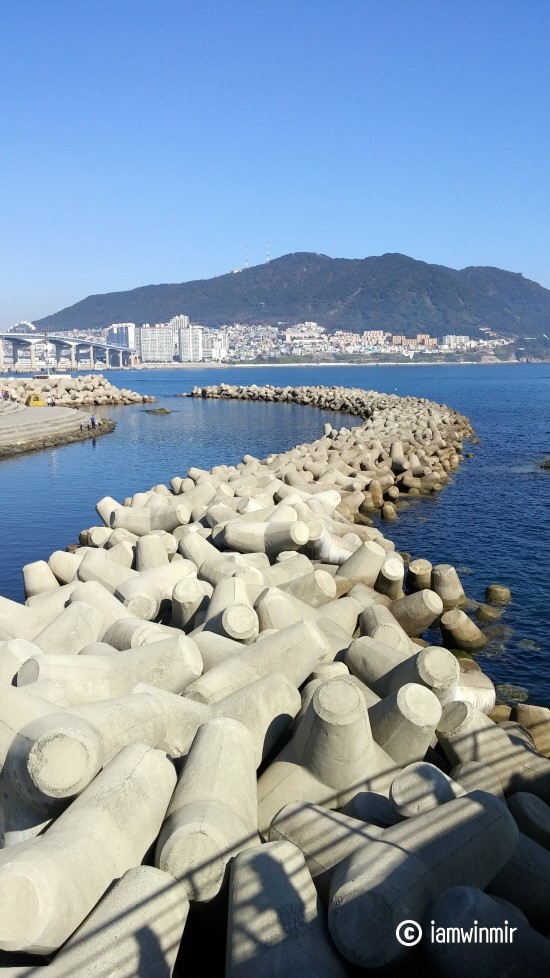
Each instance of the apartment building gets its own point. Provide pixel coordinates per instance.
(155, 344)
(190, 343)
(122, 334)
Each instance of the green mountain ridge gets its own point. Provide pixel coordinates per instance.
(391, 292)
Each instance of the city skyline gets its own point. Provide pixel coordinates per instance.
(172, 142)
(180, 341)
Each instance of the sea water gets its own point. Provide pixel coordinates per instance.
(492, 521)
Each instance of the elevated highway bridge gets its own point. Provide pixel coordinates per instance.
(73, 349)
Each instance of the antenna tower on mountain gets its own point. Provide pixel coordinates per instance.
(246, 257)
(267, 253)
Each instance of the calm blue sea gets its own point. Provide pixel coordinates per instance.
(492, 522)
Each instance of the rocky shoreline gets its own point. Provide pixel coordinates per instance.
(230, 672)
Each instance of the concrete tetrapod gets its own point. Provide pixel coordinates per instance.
(434, 667)
(214, 648)
(194, 547)
(52, 757)
(363, 566)
(124, 720)
(150, 552)
(325, 837)
(230, 612)
(416, 612)
(326, 546)
(76, 626)
(129, 633)
(284, 571)
(476, 688)
(22, 621)
(370, 807)
(525, 881)
(385, 669)
(316, 588)
(265, 707)
(208, 820)
(52, 691)
(446, 583)
(271, 538)
(38, 578)
(95, 567)
(95, 594)
(419, 574)
(472, 776)
(123, 554)
(13, 653)
(293, 651)
(276, 927)
(536, 720)
(135, 929)
(143, 521)
(378, 623)
(508, 947)
(48, 886)
(420, 787)
(466, 734)
(532, 816)
(188, 597)
(330, 757)
(404, 722)
(460, 632)
(398, 876)
(64, 565)
(144, 593)
(313, 684)
(170, 664)
(20, 710)
(277, 608)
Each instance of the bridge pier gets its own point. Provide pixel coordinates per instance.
(1, 356)
(74, 362)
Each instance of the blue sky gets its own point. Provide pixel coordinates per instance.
(147, 141)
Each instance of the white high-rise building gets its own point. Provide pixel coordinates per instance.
(22, 328)
(208, 337)
(122, 334)
(453, 341)
(156, 344)
(191, 343)
(220, 347)
(179, 322)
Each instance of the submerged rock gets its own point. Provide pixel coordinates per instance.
(509, 694)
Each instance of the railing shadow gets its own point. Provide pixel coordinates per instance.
(143, 938)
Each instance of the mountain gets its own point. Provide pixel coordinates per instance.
(391, 292)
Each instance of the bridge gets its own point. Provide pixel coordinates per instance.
(66, 346)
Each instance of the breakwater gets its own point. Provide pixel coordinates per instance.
(190, 619)
(86, 391)
(31, 429)
(406, 445)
